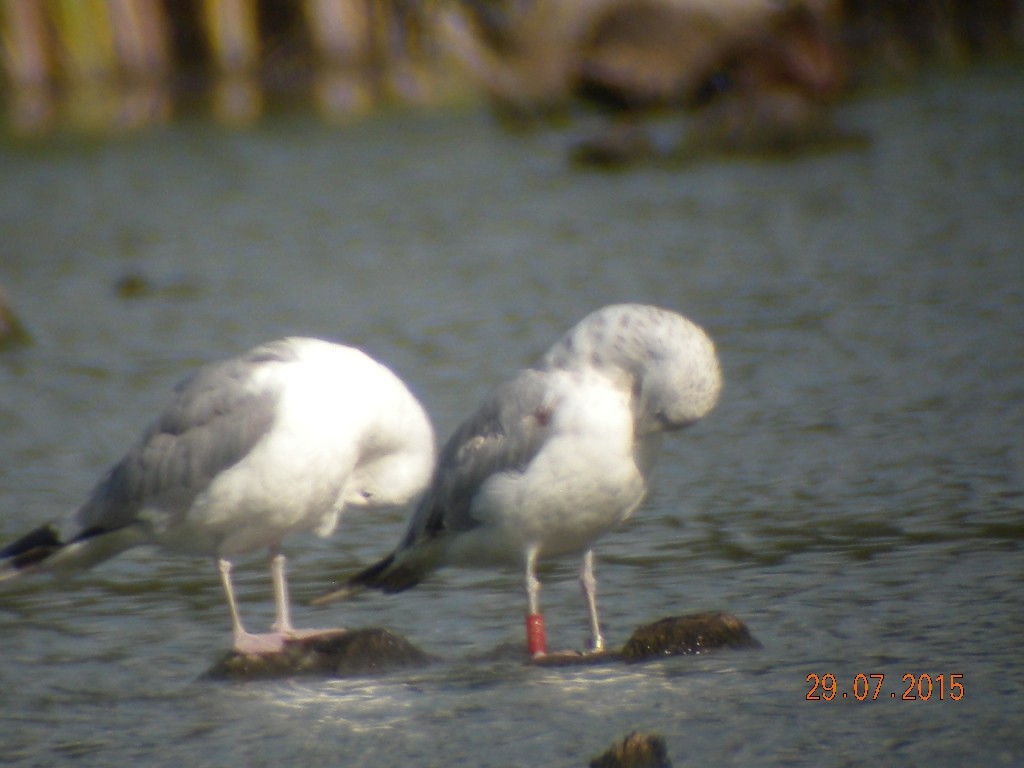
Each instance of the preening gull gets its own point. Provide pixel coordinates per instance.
(278, 440)
(558, 455)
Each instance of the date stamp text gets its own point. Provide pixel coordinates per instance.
(862, 687)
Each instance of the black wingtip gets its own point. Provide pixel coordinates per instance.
(31, 549)
(388, 576)
(383, 575)
(370, 578)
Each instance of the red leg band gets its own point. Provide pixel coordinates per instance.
(536, 641)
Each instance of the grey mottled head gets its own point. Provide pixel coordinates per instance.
(670, 362)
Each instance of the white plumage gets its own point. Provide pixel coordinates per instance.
(279, 440)
(558, 455)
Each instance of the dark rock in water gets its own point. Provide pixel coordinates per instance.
(673, 636)
(12, 332)
(687, 635)
(375, 651)
(136, 285)
(637, 750)
(133, 285)
(337, 653)
(616, 146)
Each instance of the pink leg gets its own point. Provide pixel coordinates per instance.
(283, 623)
(282, 607)
(589, 585)
(244, 642)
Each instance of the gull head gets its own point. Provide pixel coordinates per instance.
(668, 362)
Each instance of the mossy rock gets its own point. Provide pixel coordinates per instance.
(687, 636)
(637, 750)
(673, 636)
(375, 651)
(335, 654)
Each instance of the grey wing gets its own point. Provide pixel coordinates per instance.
(214, 419)
(504, 435)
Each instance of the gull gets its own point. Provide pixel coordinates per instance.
(557, 456)
(278, 440)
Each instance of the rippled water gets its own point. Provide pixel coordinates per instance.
(856, 498)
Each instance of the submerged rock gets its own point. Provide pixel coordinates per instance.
(334, 653)
(12, 332)
(637, 750)
(133, 285)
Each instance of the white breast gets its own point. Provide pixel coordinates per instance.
(297, 477)
(583, 482)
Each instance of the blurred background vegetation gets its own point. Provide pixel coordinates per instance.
(121, 65)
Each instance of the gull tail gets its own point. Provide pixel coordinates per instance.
(29, 552)
(392, 574)
(43, 549)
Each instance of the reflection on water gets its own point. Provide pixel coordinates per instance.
(856, 498)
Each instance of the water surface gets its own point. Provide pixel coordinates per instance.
(856, 497)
